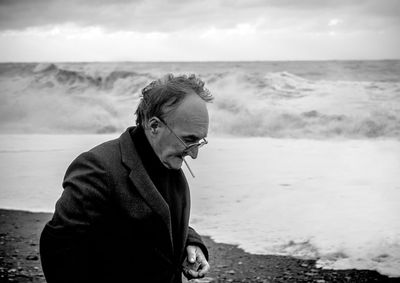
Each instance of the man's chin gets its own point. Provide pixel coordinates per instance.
(174, 164)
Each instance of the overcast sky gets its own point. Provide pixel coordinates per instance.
(198, 30)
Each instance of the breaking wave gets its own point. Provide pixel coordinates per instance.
(101, 98)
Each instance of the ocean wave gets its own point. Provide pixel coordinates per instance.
(14, 151)
(384, 258)
(89, 98)
(311, 124)
(51, 75)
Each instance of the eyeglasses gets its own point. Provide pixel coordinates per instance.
(188, 147)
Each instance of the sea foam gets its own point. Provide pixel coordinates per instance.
(101, 98)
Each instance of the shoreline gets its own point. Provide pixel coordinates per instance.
(20, 262)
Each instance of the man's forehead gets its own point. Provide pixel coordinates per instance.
(192, 108)
(192, 124)
(191, 116)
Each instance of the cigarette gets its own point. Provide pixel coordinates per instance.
(190, 170)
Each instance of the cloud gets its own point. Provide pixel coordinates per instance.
(126, 15)
(170, 16)
(334, 22)
(243, 42)
(174, 30)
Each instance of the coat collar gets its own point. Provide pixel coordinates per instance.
(146, 188)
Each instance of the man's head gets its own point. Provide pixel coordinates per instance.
(174, 115)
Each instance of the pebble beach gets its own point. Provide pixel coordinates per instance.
(20, 259)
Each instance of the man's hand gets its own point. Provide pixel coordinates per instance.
(195, 264)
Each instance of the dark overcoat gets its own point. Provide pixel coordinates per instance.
(111, 224)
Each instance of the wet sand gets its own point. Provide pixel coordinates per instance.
(20, 262)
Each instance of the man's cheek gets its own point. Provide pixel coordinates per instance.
(176, 162)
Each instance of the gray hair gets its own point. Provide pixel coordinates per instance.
(168, 92)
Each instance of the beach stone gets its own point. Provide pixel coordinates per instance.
(304, 265)
(24, 274)
(32, 257)
(203, 280)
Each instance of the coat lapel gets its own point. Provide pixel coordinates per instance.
(185, 215)
(143, 183)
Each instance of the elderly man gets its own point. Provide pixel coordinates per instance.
(124, 212)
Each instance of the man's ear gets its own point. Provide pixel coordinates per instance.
(153, 124)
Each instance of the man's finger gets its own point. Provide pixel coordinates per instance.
(191, 254)
(193, 273)
(204, 268)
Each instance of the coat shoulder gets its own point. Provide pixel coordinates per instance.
(107, 150)
(111, 153)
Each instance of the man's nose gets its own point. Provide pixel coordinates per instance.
(193, 152)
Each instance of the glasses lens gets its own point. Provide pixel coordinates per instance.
(192, 146)
(200, 144)
(196, 145)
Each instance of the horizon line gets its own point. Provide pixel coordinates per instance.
(201, 61)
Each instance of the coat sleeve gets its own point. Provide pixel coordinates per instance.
(195, 239)
(85, 196)
(64, 250)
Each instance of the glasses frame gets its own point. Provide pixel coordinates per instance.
(188, 147)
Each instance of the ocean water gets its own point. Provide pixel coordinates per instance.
(303, 157)
(351, 99)
(332, 200)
